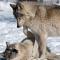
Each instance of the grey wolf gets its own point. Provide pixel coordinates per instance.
(42, 20)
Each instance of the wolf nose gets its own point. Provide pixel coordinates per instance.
(18, 26)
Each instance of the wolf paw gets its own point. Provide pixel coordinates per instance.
(39, 59)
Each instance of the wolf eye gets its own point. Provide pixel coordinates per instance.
(8, 49)
(21, 15)
(14, 50)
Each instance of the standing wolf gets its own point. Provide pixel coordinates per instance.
(42, 20)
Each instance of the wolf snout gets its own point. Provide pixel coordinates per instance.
(18, 26)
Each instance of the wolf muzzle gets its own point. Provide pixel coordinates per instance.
(18, 26)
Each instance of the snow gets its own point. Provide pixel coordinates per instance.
(8, 29)
(10, 33)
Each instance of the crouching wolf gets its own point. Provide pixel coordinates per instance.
(25, 50)
(20, 51)
(41, 19)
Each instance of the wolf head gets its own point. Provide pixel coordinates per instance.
(10, 51)
(23, 12)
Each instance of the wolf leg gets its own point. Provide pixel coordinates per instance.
(25, 30)
(42, 45)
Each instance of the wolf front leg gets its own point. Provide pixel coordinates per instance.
(25, 30)
(42, 45)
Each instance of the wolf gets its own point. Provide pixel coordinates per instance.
(43, 21)
(20, 51)
(27, 49)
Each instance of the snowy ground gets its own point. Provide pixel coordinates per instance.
(10, 33)
(8, 29)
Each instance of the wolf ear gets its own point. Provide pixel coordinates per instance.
(42, 12)
(34, 10)
(7, 44)
(14, 50)
(13, 5)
